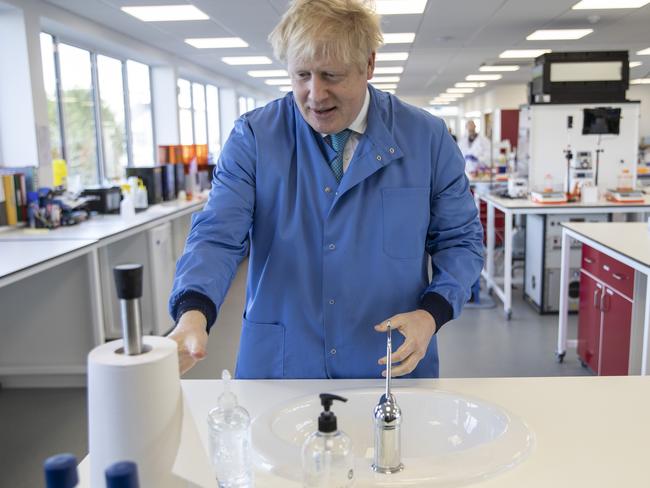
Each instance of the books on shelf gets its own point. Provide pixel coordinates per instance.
(15, 183)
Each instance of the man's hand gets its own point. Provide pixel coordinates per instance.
(417, 327)
(192, 339)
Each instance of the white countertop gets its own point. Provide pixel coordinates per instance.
(527, 204)
(589, 431)
(631, 239)
(16, 256)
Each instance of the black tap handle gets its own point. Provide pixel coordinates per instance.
(128, 280)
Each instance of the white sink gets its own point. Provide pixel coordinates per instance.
(447, 439)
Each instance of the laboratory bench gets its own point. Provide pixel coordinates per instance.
(614, 303)
(521, 206)
(57, 294)
(586, 431)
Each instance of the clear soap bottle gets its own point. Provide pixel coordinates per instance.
(229, 427)
(327, 456)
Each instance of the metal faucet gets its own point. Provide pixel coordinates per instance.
(388, 421)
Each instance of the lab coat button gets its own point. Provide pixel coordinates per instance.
(378, 157)
(333, 351)
(328, 189)
(332, 302)
(332, 247)
(391, 150)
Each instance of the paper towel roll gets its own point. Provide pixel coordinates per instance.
(135, 411)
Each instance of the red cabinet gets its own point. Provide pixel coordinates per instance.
(605, 313)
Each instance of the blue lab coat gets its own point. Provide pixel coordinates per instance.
(330, 260)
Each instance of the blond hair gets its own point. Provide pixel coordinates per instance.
(344, 30)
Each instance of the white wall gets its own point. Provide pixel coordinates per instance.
(502, 96)
(642, 94)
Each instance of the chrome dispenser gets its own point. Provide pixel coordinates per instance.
(388, 422)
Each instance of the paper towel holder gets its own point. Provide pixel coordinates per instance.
(128, 285)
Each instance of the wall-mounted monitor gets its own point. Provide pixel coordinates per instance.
(601, 120)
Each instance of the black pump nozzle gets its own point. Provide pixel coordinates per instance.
(327, 419)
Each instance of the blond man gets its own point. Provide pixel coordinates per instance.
(344, 193)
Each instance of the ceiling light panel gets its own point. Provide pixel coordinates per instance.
(460, 90)
(483, 77)
(609, 4)
(268, 73)
(246, 60)
(216, 42)
(470, 84)
(644, 52)
(635, 64)
(278, 81)
(437, 102)
(385, 79)
(389, 70)
(397, 7)
(523, 53)
(558, 34)
(401, 56)
(399, 38)
(496, 68)
(285, 88)
(166, 13)
(640, 81)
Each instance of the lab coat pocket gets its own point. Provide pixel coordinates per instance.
(405, 221)
(261, 351)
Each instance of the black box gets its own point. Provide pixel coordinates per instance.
(103, 200)
(179, 177)
(151, 176)
(580, 77)
(168, 182)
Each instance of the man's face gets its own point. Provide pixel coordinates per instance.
(471, 127)
(329, 93)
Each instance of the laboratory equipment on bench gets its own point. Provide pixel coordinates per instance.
(581, 172)
(543, 260)
(517, 187)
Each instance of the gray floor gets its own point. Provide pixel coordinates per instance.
(35, 424)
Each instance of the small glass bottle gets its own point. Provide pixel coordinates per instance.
(327, 456)
(229, 427)
(625, 180)
(548, 183)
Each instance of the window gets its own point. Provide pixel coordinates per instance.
(214, 128)
(243, 105)
(250, 104)
(78, 113)
(113, 118)
(49, 78)
(141, 115)
(185, 111)
(96, 124)
(200, 119)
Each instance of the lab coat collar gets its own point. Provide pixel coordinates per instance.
(377, 147)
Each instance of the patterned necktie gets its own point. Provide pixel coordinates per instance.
(338, 143)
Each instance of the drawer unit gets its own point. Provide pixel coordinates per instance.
(616, 275)
(590, 260)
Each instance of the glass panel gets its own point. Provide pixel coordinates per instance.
(79, 116)
(214, 129)
(200, 123)
(185, 119)
(242, 105)
(111, 92)
(140, 106)
(49, 78)
(184, 94)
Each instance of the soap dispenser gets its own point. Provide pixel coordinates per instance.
(327, 457)
(230, 440)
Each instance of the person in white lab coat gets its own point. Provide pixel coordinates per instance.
(475, 149)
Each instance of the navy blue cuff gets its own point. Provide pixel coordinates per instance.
(438, 307)
(194, 300)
